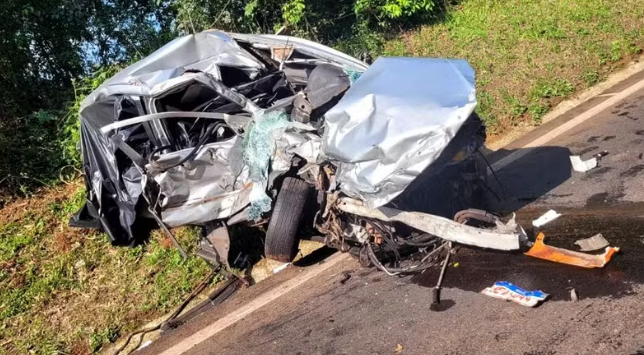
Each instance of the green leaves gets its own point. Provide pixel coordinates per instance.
(38, 146)
(44, 116)
(293, 11)
(325, 21)
(384, 11)
(250, 9)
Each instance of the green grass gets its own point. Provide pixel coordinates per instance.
(68, 291)
(530, 54)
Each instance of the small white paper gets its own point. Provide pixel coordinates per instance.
(581, 165)
(280, 268)
(144, 345)
(546, 218)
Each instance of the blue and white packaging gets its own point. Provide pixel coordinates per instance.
(507, 291)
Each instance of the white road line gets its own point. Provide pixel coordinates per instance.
(542, 140)
(311, 272)
(264, 299)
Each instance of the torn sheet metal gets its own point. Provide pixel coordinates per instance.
(215, 246)
(441, 227)
(213, 185)
(546, 218)
(510, 292)
(113, 183)
(206, 51)
(582, 165)
(542, 251)
(593, 243)
(395, 121)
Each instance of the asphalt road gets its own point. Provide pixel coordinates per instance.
(372, 313)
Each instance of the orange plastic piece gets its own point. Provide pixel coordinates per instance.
(563, 256)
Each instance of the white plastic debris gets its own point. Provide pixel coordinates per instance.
(582, 165)
(593, 243)
(546, 218)
(280, 268)
(573, 295)
(145, 345)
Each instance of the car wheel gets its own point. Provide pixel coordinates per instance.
(281, 236)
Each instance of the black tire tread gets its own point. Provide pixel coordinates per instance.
(282, 233)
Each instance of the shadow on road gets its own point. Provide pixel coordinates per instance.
(528, 178)
(317, 256)
(531, 177)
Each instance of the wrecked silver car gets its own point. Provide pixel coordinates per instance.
(216, 129)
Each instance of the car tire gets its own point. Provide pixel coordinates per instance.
(282, 234)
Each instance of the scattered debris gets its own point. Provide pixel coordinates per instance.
(215, 245)
(546, 218)
(510, 292)
(593, 243)
(601, 154)
(144, 345)
(542, 251)
(346, 275)
(573, 295)
(280, 268)
(399, 349)
(582, 165)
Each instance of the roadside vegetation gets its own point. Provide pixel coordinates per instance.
(67, 291)
(530, 55)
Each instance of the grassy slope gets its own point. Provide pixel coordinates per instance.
(529, 54)
(65, 290)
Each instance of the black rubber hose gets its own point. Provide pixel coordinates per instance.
(424, 240)
(420, 244)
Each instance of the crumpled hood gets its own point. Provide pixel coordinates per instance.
(394, 121)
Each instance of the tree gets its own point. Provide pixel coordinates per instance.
(324, 20)
(45, 44)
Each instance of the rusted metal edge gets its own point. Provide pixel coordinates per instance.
(563, 256)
